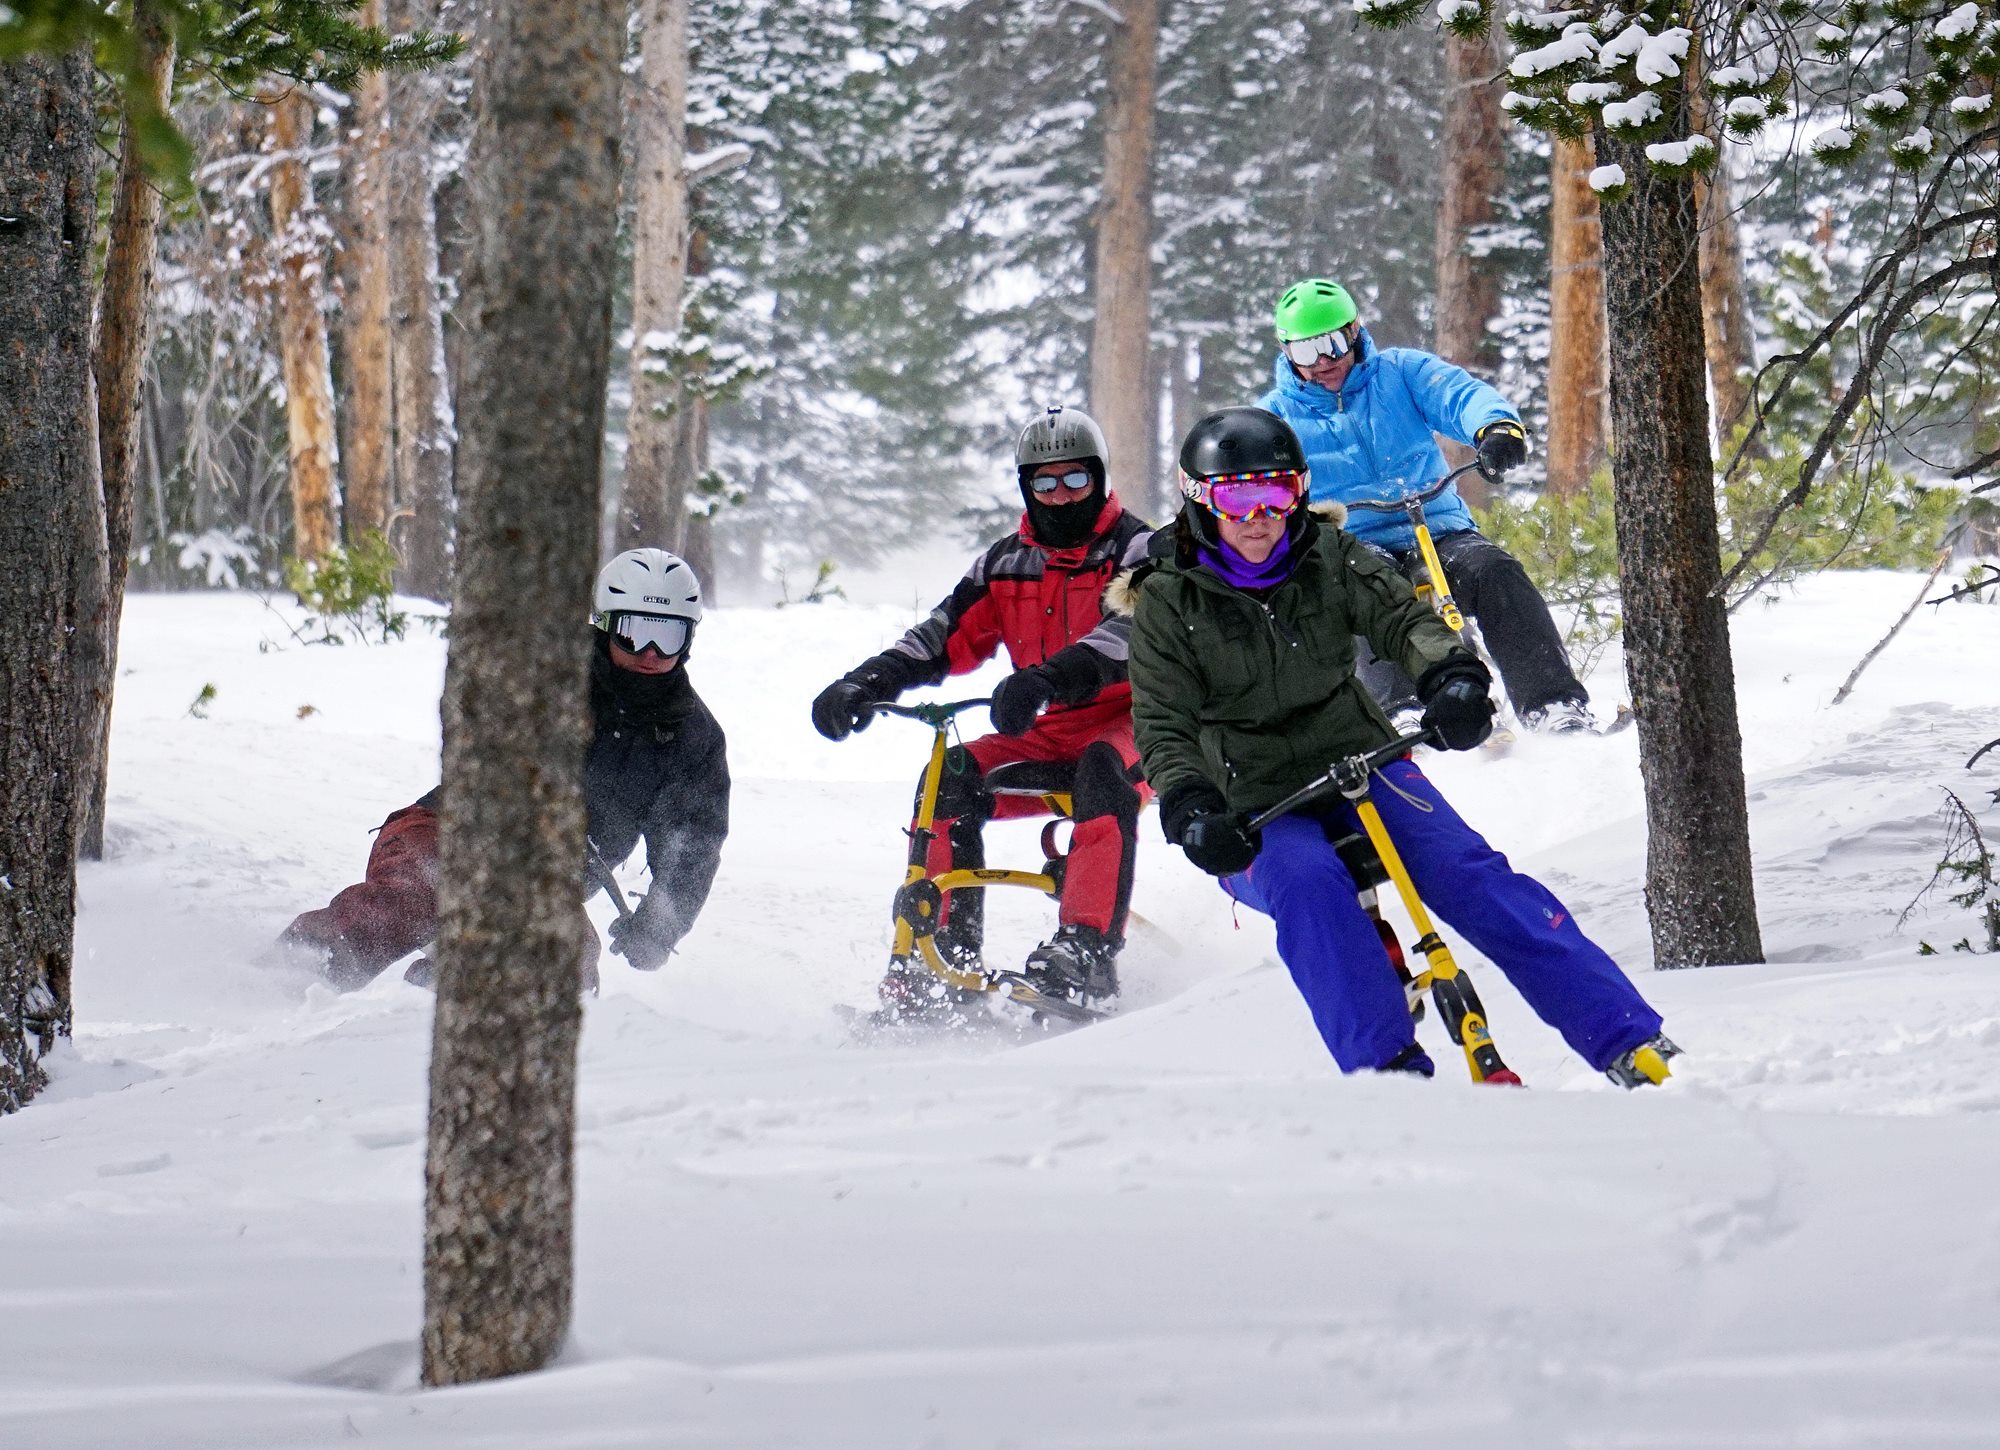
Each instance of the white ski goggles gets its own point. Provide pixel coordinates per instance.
(1305, 351)
(637, 633)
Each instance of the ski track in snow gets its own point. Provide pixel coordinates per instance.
(1178, 1228)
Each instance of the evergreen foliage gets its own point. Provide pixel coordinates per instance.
(351, 592)
(235, 43)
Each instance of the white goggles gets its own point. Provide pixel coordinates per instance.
(637, 633)
(1305, 351)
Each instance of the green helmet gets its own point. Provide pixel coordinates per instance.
(1313, 307)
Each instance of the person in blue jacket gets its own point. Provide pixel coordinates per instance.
(1367, 417)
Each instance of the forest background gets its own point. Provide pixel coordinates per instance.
(898, 229)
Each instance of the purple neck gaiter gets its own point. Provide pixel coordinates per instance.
(1238, 571)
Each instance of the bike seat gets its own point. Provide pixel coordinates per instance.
(1357, 854)
(1032, 777)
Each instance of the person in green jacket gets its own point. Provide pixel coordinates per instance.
(1245, 615)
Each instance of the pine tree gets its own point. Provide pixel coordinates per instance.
(48, 458)
(500, 1182)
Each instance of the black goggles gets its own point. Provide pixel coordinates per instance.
(637, 633)
(1050, 482)
(1305, 351)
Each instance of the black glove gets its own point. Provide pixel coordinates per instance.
(845, 706)
(1502, 446)
(631, 940)
(1198, 820)
(1221, 845)
(1019, 698)
(1458, 711)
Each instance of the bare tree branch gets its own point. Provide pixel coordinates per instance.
(1847, 688)
(1857, 389)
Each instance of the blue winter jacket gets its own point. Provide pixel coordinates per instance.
(1372, 439)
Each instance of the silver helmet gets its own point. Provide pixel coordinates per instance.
(1061, 435)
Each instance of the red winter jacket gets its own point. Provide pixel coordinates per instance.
(1043, 604)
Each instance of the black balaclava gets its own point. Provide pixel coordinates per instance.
(1064, 526)
(654, 698)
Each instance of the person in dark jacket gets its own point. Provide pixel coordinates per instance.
(656, 770)
(1243, 690)
(1368, 419)
(1066, 706)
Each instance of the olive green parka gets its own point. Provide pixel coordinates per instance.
(1256, 696)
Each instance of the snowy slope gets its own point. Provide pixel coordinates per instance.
(1181, 1228)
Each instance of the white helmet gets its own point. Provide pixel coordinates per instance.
(650, 582)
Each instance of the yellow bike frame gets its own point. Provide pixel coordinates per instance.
(1464, 1015)
(1457, 1001)
(1434, 584)
(917, 911)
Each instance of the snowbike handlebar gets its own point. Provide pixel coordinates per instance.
(1349, 776)
(1422, 495)
(934, 713)
(602, 874)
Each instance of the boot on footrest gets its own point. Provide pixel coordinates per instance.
(1643, 1065)
(1079, 963)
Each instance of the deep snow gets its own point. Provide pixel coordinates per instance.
(1180, 1228)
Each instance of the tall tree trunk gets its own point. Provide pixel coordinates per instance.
(655, 494)
(368, 405)
(48, 213)
(1731, 343)
(118, 363)
(1579, 385)
(500, 1176)
(1727, 330)
(1184, 363)
(1699, 894)
(298, 225)
(1121, 335)
(1474, 155)
(697, 542)
(1159, 365)
(426, 433)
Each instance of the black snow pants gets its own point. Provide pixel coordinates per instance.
(1491, 586)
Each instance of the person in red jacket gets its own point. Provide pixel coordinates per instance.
(1066, 705)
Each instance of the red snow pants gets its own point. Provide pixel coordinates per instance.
(1089, 754)
(393, 909)
(390, 913)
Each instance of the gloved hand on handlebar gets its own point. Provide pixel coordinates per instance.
(843, 707)
(1458, 710)
(1502, 446)
(1198, 820)
(848, 703)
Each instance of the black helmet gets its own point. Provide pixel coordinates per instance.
(1237, 440)
(1241, 440)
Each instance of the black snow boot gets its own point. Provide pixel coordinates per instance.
(1079, 963)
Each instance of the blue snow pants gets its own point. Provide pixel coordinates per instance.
(1335, 954)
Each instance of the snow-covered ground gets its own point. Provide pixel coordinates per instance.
(1181, 1228)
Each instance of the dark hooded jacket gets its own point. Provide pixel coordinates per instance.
(656, 769)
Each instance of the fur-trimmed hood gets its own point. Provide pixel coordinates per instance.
(1121, 595)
